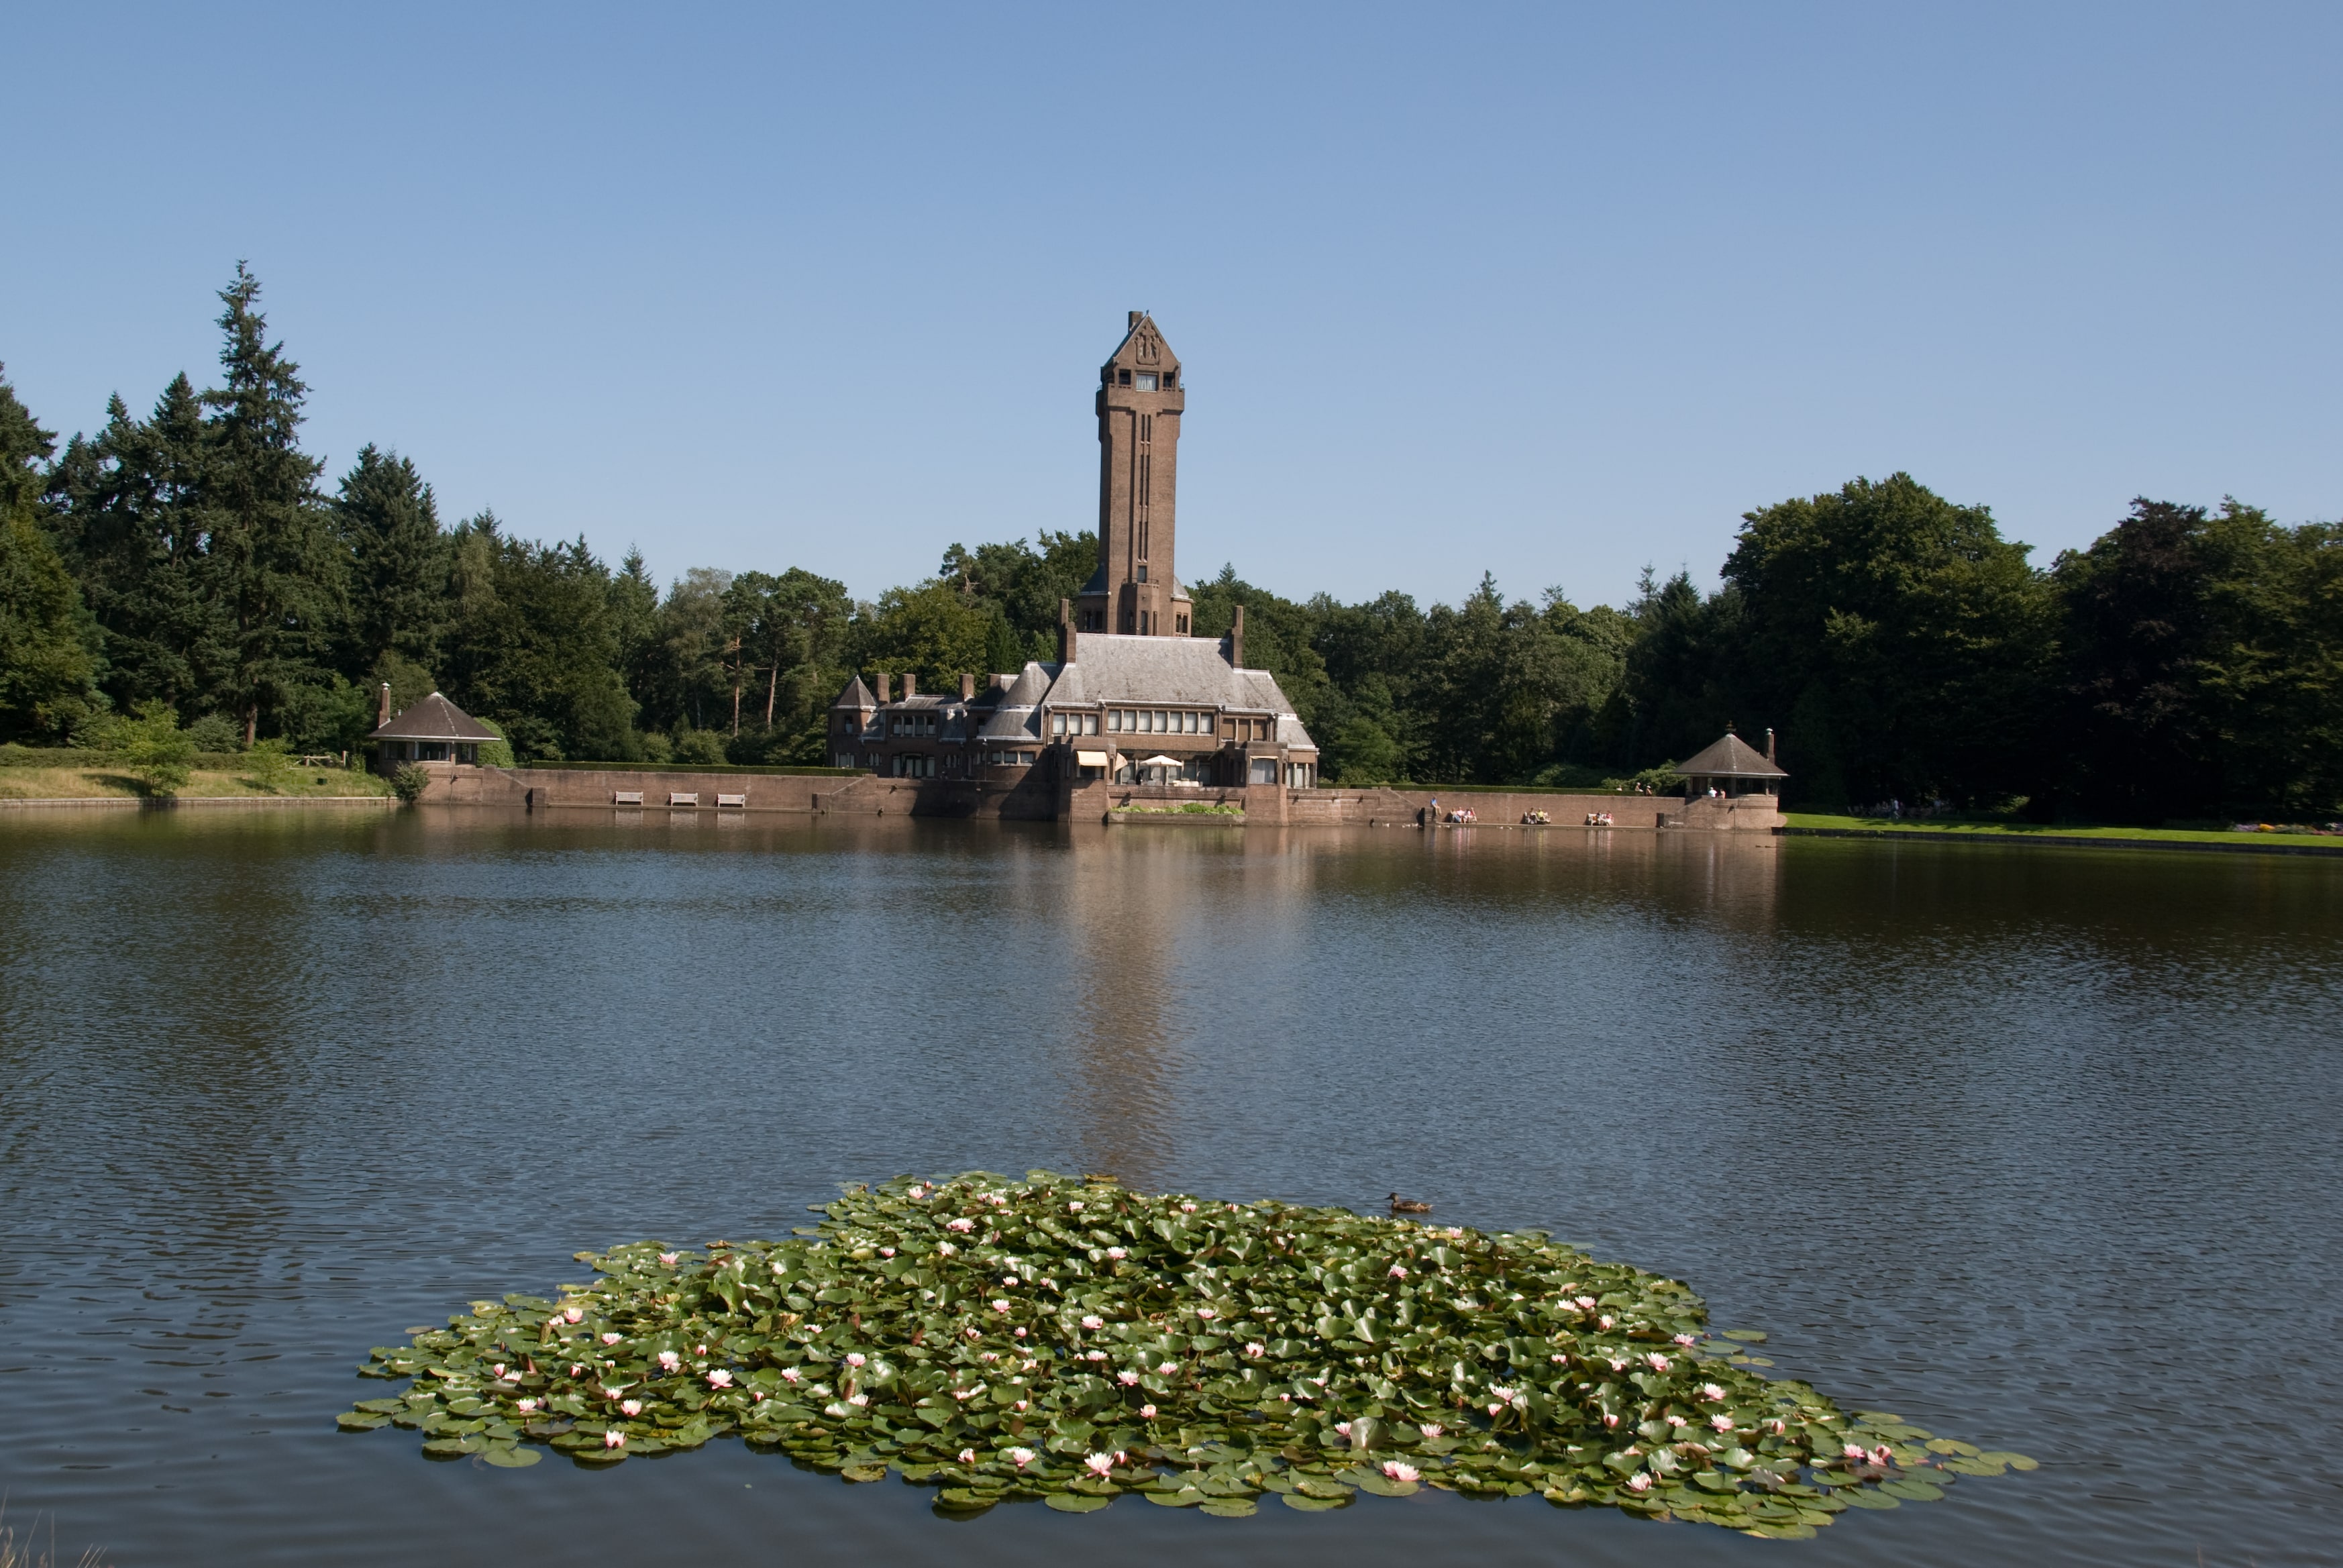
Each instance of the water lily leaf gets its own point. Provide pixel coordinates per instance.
(2003, 1456)
(1913, 1491)
(1240, 1351)
(510, 1456)
(1747, 1336)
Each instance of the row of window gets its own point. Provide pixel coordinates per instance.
(1156, 721)
(1074, 723)
(1144, 380)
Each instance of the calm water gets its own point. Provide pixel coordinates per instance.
(2033, 1148)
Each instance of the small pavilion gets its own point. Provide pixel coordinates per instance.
(1731, 767)
(433, 731)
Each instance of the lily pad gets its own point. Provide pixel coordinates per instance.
(1066, 1339)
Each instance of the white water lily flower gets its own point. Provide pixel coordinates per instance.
(856, 1359)
(631, 1406)
(1432, 1429)
(524, 1405)
(614, 1440)
(1020, 1457)
(612, 1339)
(1099, 1464)
(968, 1457)
(670, 1362)
(1093, 1321)
(1147, 1412)
(719, 1378)
(1398, 1470)
(1117, 1253)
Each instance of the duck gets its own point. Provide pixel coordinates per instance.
(1400, 1205)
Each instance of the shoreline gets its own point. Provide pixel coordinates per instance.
(2246, 845)
(173, 802)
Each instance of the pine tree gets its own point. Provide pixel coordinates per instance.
(279, 578)
(48, 657)
(399, 558)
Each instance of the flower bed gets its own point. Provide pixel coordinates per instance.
(1180, 808)
(1069, 1340)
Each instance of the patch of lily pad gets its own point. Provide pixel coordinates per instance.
(1065, 1338)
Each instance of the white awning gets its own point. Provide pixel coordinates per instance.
(1161, 762)
(1090, 758)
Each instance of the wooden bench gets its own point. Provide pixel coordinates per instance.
(626, 797)
(741, 801)
(676, 798)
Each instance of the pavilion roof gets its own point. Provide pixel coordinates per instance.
(435, 718)
(1729, 757)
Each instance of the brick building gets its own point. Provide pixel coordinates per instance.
(1145, 703)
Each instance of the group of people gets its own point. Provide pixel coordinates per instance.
(1463, 815)
(1536, 819)
(1598, 819)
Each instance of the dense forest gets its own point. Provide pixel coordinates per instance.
(192, 565)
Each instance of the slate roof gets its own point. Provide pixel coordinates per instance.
(1019, 715)
(435, 718)
(1152, 671)
(856, 695)
(1731, 757)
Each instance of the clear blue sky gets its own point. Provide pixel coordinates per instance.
(1550, 291)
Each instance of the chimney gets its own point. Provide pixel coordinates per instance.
(1065, 632)
(883, 680)
(1236, 640)
(1133, 324)
(967, 687)
(1769, 743)
(382, 708)
(910, 686)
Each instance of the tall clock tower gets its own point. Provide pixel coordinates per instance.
(1140, 402)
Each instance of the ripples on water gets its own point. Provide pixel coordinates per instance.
(2035, 1148)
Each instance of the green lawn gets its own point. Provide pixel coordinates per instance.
(2030, 830)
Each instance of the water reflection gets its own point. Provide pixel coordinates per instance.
(1985, 1137)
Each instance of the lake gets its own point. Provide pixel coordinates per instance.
(2033, 1148)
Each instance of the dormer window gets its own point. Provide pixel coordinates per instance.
(1147, 381)
(1122, 378)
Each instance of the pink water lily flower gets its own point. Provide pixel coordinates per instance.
(945, 1249)
(1167, 1368)
(1658, 1362)
(576, 1369)
(669, 1260)
(1343, 1427)
(524, 1405)
(854, 1358)
(968, 1457)
(1010, 1282)
(614, 1440)
(1710, 1391)
(960, 1223)
(670, 1362)
(1000, 1305)
(1399, 1471)
(1093, 1355)
(857, 1400)
(1432, 1429)
(1206, 1312)
(631, 1406)
(919, 1191)
(1126, 1377)
(574, 1314)
(1585, 1303)
(1640, 1482)
(1093, 1321)
(1721, 1423)
(1099, 1464)
(1397, 1272)
(1020, 1457)
(1677, 1421)
(1255, 1348)
(1147, 1412)
(1854, 1452)
(1604, 1321)
(1882, 1456)
(1019, 1405)
(791, 1375)
(886, 1252)
(1020, 1334)
(1686, 1340)
(1187, 1208)
(612, 1339)
(719, 1378)
(1117, 1253)
(1075, 1207)
(1610, 1419)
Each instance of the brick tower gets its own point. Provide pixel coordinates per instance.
(1140, 401)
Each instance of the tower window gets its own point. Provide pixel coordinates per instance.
(1147, 381)
(1170, 377)
(1122, 378)
(1142, 571)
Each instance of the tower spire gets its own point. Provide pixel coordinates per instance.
(1141, 402)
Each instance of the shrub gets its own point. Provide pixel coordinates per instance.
(409, 781)
(496, 753)
(216, 732)
(700, 745)
(157, 751)
(271, 762)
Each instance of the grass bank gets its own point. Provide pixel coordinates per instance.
(103, 782)
(1821, 825)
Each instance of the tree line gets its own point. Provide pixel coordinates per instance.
(192, 566)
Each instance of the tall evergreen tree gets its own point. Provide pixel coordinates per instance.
(399, 561)
(47, 641)
(279, 578)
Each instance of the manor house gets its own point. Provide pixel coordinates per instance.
(1134, 698)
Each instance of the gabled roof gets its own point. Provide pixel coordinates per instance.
(856, 695)
(1147, 672)
(1019, 717)
(1731, 757)
(435, 718)
(1142, 347)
